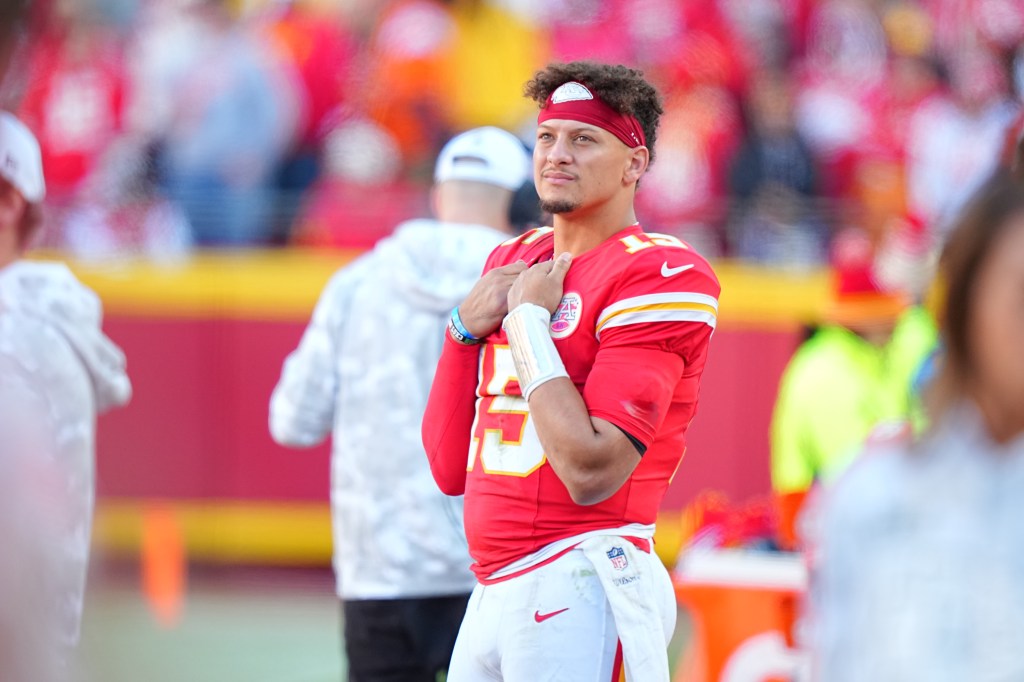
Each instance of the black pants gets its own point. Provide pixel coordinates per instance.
(401, 640)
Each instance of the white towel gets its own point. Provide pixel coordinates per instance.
(639, 591)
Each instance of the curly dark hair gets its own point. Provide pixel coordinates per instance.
(622, 88)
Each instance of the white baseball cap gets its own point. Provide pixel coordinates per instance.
(490, 155)
(21, 162)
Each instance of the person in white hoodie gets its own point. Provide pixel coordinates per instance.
(362, 372)
(57, 372)
(920, 545)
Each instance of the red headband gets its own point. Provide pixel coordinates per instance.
(574, 102)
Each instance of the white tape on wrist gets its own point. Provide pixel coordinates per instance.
(533, 351)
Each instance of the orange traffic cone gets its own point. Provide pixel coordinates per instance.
(164, 568)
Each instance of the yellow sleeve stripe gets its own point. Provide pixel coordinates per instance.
(661, 312)
(654, 299)
(670, 301)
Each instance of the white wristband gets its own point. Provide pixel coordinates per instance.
(534, 353)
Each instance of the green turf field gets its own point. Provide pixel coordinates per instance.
(236, 626)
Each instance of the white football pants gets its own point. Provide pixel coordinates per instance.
(552, 624)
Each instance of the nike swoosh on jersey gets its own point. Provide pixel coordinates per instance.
(666, 271)
(541, 617)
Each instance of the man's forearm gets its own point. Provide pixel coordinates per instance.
(448, 418)
(591, 456)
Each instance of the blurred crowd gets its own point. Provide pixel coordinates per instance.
(171, 124)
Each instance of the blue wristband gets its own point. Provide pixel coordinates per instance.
(459, 327)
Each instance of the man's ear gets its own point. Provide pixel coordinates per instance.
(12, 207)
(435, 200)
(639, 159)
(30, 226)
(19, 215)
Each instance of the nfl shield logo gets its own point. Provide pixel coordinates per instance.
(618, 558)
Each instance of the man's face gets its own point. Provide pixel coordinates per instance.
(578, 166)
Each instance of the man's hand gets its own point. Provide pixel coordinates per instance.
(541, 284)
(487, 303)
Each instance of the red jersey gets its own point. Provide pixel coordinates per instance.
(632, 329)
(75, 105)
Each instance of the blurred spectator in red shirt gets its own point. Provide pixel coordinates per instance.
(842, 70)
(361, 160)
(685, 192)
(317, 44)
(74, 98)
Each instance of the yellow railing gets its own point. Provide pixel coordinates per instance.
(284, 285)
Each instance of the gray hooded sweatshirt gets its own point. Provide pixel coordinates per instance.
(362, 372)
(57, 372)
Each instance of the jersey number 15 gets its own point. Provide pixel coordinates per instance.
(504, 439)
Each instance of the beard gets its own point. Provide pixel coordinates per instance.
(558, 206)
